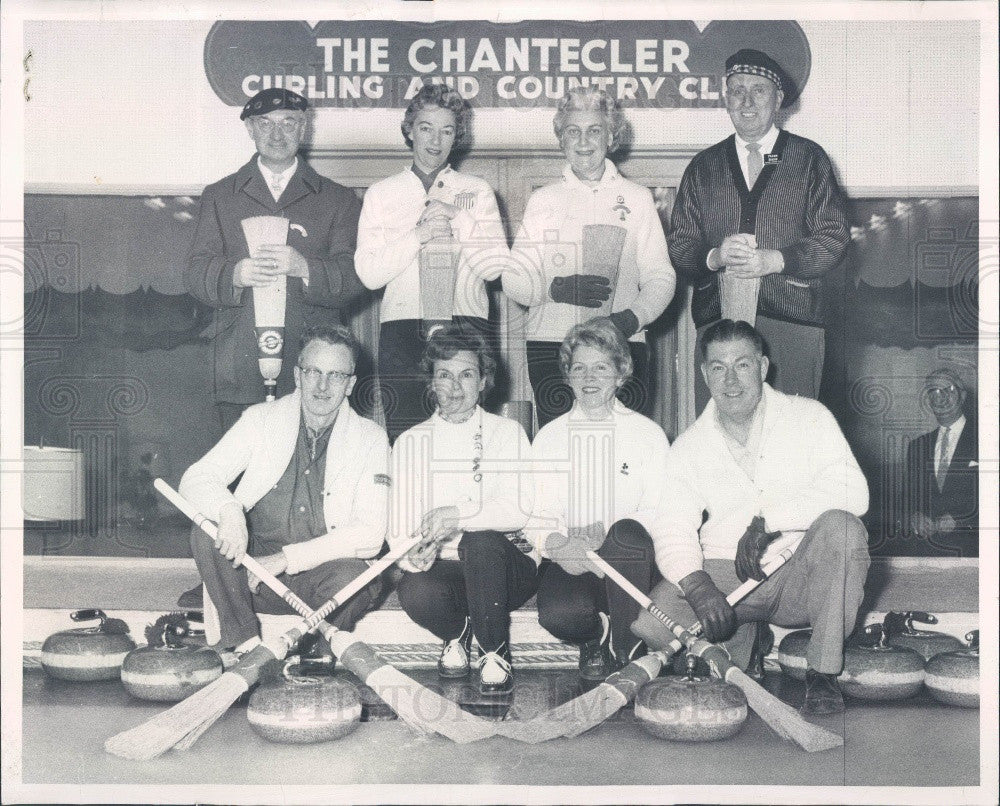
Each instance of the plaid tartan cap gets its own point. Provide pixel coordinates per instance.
(754, 63)
(273, 100)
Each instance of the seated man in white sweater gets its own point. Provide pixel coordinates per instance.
(772, 472)
(312, 503)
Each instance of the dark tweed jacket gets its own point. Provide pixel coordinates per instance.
(796, 206)
(327, 217)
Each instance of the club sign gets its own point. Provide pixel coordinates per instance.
(382, 63)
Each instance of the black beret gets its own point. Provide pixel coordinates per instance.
(273, 100)
(755, 63)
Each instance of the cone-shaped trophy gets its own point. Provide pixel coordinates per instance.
(268, 301)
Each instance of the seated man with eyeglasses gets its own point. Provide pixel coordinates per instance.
(317, 258)
(311, 505)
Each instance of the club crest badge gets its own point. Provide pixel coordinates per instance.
(465, 200)
(269, 342)
(621, 209)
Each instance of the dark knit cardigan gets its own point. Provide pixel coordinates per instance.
(796, 206)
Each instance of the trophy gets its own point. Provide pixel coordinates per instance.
(268, 301)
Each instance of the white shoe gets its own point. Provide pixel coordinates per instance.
(495, 675)
(455, 654)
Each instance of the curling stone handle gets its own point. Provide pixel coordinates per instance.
(174, 634)
(874, 635)
(89, 614)
(192, 618)
(691, 662)
(920, 616)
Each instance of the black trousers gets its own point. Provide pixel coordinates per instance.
(490, 579)
(569, 606)
(553, 397)
(406, 398)
(237, 606)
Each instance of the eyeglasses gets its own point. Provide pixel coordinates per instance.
(314, 375)
(265, 124)
(941, 391)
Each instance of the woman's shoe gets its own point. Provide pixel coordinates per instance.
(495, 675)
(455, 654)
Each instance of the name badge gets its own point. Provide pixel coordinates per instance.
(772, 159)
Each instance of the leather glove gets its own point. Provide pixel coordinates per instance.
(583, 290)
(751, 549)
(717, 617)
(570, 553)
(626, 321)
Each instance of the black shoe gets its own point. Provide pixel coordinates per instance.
(822, 694)
(192, 599)
(495, 674)
(455, 654)
(763, 643)
(597, 659)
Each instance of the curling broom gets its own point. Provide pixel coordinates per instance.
(180, 726)
(780, 717)
(602, 702)
(399, 691)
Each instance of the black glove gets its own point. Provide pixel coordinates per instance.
(626, 321)
(584, 290)
(751, 549)
(717, 617)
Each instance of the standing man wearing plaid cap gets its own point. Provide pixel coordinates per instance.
(759, 219)
(318, 257)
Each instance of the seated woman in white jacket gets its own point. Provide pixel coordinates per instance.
(462, 479)
(598, 472)
(432, 238)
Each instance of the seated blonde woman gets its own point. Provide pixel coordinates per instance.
(598, 472)
(462, 479)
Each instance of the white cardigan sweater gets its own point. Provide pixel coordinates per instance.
(805, 467)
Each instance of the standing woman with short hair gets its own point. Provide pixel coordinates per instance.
(431, 237)
(463, 480)
(590, 244)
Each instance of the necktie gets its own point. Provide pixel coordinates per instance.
(755, 163)
(276, 189)
(942, 468)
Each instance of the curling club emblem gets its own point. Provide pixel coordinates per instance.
(270, 341)
(621, 209)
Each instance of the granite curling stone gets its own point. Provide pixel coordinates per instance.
(873, 670)
(691, 708)
(171, 666)
(953, 677)
(792, 653)
(88, 654)
(303, 710)
(900, 631)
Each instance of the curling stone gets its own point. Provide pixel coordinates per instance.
(304, 710)
(792, 653)
(953, 677)
(690, 708)
(900, 631)
(88, 653)
(873, 670)
(171, 666)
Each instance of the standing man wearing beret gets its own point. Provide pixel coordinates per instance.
(318, 257)
(759, 219)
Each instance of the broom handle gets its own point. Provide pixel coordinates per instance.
(734, 598)
(313, 617)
